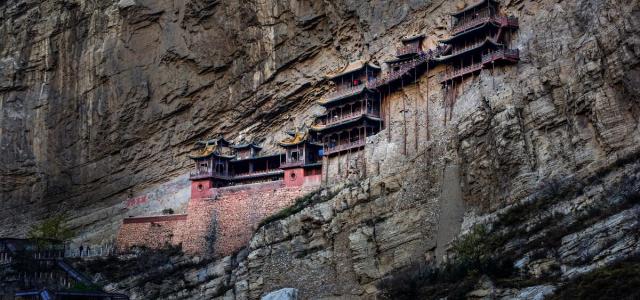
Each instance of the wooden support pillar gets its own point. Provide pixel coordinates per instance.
(404, 118)
(415, 108)
(389, 112)
(364, 156)
(427, 106)
(338, 157)
(348, 151)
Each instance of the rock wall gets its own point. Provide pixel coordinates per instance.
(554, 137)
(101, 100)
(153, 232)
(224, 223)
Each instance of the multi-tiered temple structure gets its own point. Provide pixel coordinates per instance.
(410, 50)
(478, 40)
(219, 164)
(233, 187)
(352, 110)
(303, 159)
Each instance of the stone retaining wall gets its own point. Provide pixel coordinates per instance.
(153, 232)
(224, 223)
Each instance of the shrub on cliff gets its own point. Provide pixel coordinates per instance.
(473, 257)
(53, 228)
(617, 282)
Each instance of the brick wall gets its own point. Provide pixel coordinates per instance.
(225, 222)
(153, 232)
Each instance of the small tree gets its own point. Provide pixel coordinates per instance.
(53, 228)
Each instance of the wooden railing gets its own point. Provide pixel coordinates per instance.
(460, 72)
(409, 49)
(508, 21)
(198, 174)
(257, 173)
(291, 164)
(348, 117)
(423, 56)
(465, 25)
(5, 258)
(343, 147)
(405, 69)
(343, 92)
(455, 52)
(95, 250)
(509, 54)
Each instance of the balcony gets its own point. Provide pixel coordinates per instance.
(455, 52)
(510, 55)
(292, 164)
(467, 24)
(391, 76)
(343, 92)
(257, 174)
(509, 21)
(461, 72)
(208, 174)
(407, 50)
(483, 18)
(344, 147)
(345, 118)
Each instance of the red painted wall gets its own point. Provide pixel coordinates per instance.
(219, 221)
(201, 188)
(294, 177)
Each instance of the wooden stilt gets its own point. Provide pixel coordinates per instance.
(364, 152)
(427, 107)
(348, 153)
(389, 113)
(404, 118)
(415, 109)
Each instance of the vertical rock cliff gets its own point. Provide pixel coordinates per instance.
(101, 99)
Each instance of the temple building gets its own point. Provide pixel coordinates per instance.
(352, 111)
(478, 40)
(220, 164)
(303, 159)
(412, 61)
(410, 50)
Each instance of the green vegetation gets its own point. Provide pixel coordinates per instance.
(53, 228)
(81, 287)
(482, 252)
(146, 262)
(619, 281)
(474, 257)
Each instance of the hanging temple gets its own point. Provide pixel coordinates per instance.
(235, 186)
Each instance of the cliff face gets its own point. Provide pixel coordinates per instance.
(99, 99)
